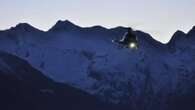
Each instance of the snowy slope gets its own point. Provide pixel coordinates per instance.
(24, 88)
(87, 59)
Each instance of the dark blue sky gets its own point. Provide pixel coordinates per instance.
(160, 18)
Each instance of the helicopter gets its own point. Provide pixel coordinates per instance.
(129, 40)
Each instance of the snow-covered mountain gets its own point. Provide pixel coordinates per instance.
(151, 77)
(24, 88)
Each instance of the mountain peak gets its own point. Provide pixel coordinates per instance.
(66, 22)
(193, 28)
(178, 33)
(25, 27)
(98, 27)
(192, 31)
(177, 37)
(63, 25)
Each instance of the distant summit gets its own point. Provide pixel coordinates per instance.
(178, 35)
(181, 40)
(191, 33)
(24, 27)
(64, 26)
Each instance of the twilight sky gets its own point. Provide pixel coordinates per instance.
(160, 18)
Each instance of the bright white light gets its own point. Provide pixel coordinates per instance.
(132, 45)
